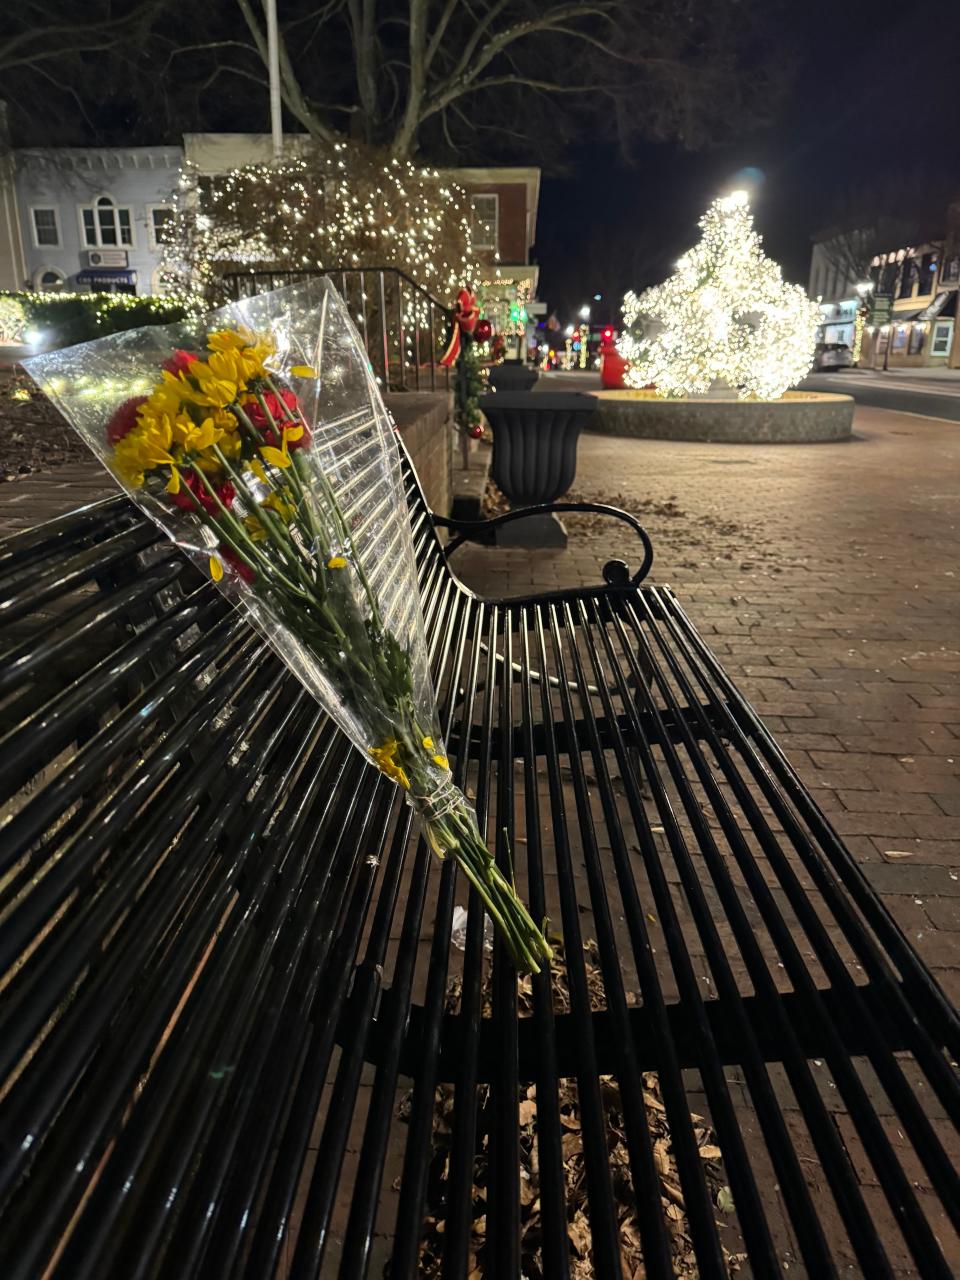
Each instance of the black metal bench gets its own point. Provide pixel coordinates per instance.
(227, 959)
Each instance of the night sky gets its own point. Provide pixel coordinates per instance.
(872, 113)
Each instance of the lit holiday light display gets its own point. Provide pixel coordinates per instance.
(344, 207)
(725, 315)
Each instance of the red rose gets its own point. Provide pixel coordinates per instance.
(230, 557)
(278, 410)
(190, 483)
(179, 362)
(124, 419)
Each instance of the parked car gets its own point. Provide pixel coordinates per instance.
(832, 355)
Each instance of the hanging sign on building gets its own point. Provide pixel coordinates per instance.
(882, 303)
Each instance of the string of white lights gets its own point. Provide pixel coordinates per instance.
(345, 207)
(725, 315)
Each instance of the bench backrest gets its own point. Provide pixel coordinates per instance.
(167, 788)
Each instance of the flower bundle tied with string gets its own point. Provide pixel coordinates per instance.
(281, 478)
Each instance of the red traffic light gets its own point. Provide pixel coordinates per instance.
(608, 334)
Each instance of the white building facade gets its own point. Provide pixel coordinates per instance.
(92, 219)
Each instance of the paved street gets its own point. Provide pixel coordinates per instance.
(826, 579)
(919, 391)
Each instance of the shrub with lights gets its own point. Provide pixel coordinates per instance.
(333, 207)
(725, 315)
(48, 319)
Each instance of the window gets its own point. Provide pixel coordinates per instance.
(486, 217)
(899, 337)
(928, 273)
(159, 224)
(105, 224)
(942, 338)
(908, 278)
(49, 279)
(951, 270)
(46, 230)
(916, 339)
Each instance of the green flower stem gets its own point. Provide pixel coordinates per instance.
(323, 551)
(294, 478)
(456, 832)
(223, 534)
(276, 530)
(325, 486)
(264, 562)
(332, 500)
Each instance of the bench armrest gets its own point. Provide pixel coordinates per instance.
(615, 572)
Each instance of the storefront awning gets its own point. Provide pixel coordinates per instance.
(944, 304)
(106, 275)
(939, 306)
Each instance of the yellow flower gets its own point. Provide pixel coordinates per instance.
(216, 568)
(273, 502)
(231, 339)
(274, 456)
(336, 562)
(224, 420)
(303, 371)
(385, 759)
(249, 350)
(193, 438)
(148, 446)
(255, 527)
(256, 466)
(253, 358)
(166, 397)
(441, 762)
(427, 743)
(218, 383)
(231, 445)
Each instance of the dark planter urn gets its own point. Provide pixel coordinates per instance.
(512, 375)
(535, 437)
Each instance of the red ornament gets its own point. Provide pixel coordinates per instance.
(476, 431)
(483, 331)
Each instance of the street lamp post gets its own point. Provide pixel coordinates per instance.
(273, 66)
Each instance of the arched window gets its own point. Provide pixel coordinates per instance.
(49, 279)
(105, 224)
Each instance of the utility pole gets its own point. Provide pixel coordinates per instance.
(273, 66)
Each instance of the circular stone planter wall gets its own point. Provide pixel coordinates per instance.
(801, 417)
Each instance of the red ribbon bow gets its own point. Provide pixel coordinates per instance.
(466, 313)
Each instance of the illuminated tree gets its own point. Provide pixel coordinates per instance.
(725, 315)
(340, 206)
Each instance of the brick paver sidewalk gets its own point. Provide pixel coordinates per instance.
(826, 578)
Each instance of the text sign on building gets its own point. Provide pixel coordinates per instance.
(881, 308)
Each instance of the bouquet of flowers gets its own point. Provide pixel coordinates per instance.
(257, 439)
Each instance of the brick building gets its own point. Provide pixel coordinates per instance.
(503, 205)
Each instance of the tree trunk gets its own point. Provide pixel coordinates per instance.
(363, 23)
(405, 138)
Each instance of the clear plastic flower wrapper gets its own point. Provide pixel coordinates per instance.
(257, 439)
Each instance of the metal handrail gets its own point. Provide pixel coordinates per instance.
(403, 352)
